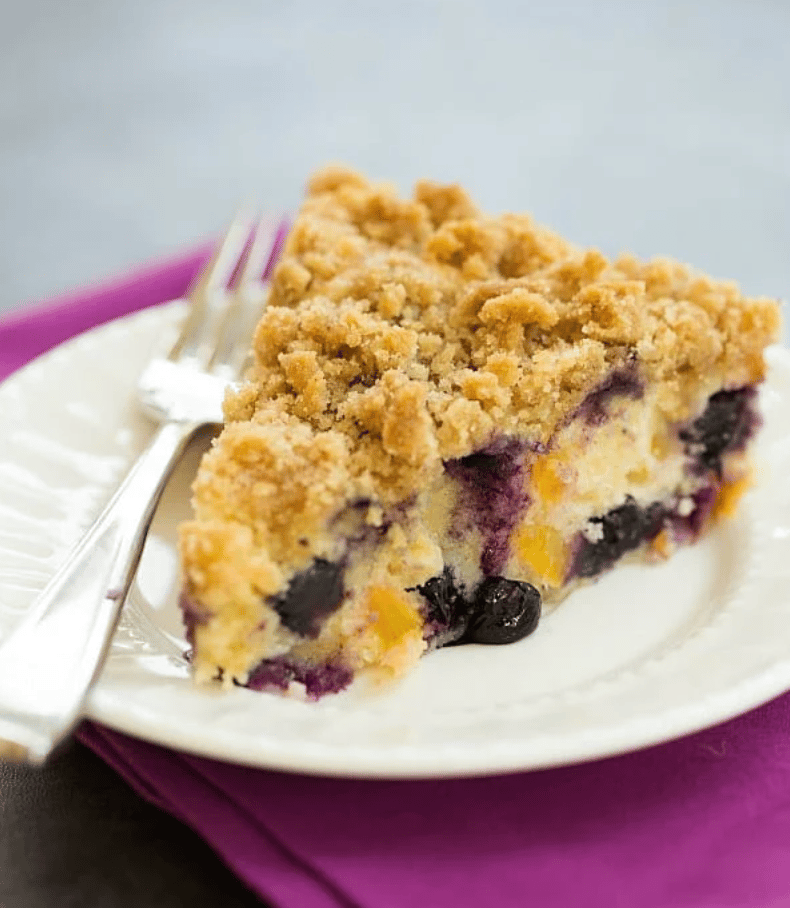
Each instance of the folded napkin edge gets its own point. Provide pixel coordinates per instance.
(160, 268)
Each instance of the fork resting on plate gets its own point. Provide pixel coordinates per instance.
(52, 658)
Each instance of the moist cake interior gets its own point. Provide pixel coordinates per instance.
(452, 421)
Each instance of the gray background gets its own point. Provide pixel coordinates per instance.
(130, 130)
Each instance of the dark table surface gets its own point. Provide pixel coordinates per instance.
(74, 834)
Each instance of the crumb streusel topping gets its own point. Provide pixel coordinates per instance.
(403, 333)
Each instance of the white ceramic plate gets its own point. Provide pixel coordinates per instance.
(643, 656)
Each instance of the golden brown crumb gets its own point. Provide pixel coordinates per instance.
(401, 333)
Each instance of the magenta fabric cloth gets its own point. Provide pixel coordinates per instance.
(703, 822)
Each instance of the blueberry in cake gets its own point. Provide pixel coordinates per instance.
(452, 420)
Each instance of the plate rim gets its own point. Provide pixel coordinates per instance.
(404, 761)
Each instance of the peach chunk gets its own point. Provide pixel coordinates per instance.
(543, 550)
(546, 481)
(729, 495)
(395, 615)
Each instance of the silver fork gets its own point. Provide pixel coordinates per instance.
(52, 658)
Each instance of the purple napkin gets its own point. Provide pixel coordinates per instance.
(703, 822)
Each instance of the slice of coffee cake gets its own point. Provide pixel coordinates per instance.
(451, 419)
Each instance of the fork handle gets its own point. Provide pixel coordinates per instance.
(51, 659)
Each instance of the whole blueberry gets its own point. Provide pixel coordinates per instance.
(621, 530)
(447, 610)
(727, 423)
(503, 611)
(312, 595)
(440, 594)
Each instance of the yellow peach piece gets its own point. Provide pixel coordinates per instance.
(543, 550)
(395, 615)
(729, 495)
(662, 544)
(546, 482)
